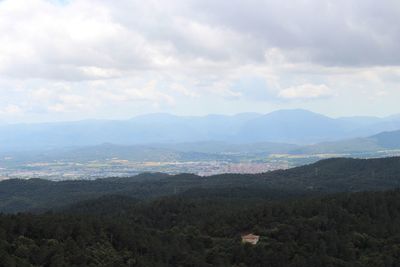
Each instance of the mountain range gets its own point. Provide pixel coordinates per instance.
(283, 126)
(379, 145)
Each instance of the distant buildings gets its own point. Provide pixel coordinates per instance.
(250, 238)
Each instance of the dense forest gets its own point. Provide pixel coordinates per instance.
(357, 229)
(306, 216)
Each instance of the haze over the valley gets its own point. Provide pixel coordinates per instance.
(206, 145)
(92, 88)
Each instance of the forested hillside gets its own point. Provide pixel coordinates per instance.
(357, 229)
(326, 176)
(305, 216)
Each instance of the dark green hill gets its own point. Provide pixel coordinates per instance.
(346, 230)
(326, 176)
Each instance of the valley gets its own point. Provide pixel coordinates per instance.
(120, 161)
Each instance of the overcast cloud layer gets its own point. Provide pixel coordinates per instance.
(67, 60)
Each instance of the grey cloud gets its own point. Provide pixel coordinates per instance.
(354, 33)
(189, 34)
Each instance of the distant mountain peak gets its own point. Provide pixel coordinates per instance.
(296, 126)
(295, 112)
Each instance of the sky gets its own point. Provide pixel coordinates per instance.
(79, 59)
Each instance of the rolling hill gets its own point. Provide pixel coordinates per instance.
(375, 143)
(326, 176)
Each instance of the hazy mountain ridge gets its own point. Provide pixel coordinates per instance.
(284, 126)
(378, 142)
(207, 150)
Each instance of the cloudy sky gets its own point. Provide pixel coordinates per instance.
(78, 59)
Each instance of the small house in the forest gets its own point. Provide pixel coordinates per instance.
(250, 238)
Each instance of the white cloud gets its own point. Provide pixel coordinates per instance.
(148, 93)
(73, 42)
(179, 88)
(306, 91)
(98, 57)
(11, 110)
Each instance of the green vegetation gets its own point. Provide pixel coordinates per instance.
(188, 220)
(326, 176)
(358, 229)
